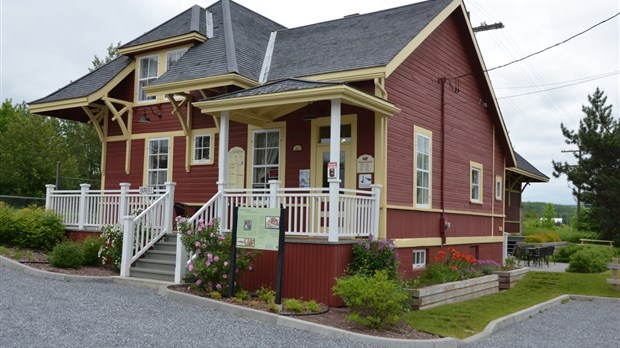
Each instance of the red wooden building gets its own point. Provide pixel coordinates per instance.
(236, 108)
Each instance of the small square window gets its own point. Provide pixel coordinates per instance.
(419, 259)
(202, 149)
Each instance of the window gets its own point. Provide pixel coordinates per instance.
(419, 259)
(173, 56)
(202, 149)
(475, 182)
(157, 163)
(266, 159)
(423, 165)
(148, 72)
(498, 188)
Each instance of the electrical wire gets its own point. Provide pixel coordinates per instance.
(585, 79)
(551, 89)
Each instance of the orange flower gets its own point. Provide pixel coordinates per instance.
(435, 258)
(453, 268)
(441, 252)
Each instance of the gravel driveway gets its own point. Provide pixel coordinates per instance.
(36, 312)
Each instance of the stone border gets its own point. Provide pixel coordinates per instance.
(447, 342)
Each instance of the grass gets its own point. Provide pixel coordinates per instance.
(464, 319)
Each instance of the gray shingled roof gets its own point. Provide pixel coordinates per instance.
(89, 83)
(350, 43)
(523, 164)
(191, 20)
(275, 87)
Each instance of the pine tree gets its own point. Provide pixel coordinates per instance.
(597, 172)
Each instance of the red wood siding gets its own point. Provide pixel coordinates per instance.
(115, 164)
(414, 87)
(309, 271)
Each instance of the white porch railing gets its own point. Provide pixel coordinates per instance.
(143, 231)
(91, 209)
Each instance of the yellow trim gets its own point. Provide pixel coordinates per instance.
(281, 126)
(421, 242)
(162, 67)
(173, 41)
(475, 165)
(350, 148)
(145, 177)
(381, 157)
(83, 101)
(498, 178)
(349, 75)
(202, 132)
(453, 212)
(347, 94)
(137, 136)
(199, 84)
(527, 174)
(418, 39)
(429, 134)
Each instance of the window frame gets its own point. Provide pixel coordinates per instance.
(147, 157)
(428, 135)
(499, 192)
(179, 51)
(475, 166)
(210, 159)
(139, 78)
(416, 258)
(252, 166)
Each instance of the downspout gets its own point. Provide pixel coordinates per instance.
(443, 224)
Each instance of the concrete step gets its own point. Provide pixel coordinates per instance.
(146, 273)
(159, 265)
(165, 246)
(160, 255)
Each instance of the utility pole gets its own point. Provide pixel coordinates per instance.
(578, 187)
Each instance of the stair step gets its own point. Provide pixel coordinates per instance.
(160, 255)
(165, 247)
(145, 273)
(160, 265)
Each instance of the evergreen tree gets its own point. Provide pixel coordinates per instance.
(112, 53)
(596, 176)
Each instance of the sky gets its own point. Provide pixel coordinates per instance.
(46, 44)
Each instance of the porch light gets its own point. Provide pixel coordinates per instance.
(146, 119)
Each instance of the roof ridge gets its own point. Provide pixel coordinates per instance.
(130, 43)
(256, 13)
(229, 38)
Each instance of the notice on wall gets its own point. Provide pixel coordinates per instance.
(236, 168)
(258, 228)
(364, 181)
(304, 178)
(365, 164)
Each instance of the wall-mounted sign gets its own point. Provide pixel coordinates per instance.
(236, 168)
(304, 178)
(297, 148)
(332, 170)
(364, 181)
(146, 190)
(365, 164)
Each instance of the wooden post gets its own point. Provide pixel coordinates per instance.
(82, 208)
(614, 266)
(49, 190)
(127, 245)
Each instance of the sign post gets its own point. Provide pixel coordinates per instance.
(260, 229)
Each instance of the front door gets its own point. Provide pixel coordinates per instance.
(323, 159)
(346, 165)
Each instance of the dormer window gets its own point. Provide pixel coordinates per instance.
(173, 56)
(148, 72)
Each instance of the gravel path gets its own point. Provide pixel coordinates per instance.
(37, 312)
(574, 324)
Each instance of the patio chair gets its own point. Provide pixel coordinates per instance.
(521, 254)
(546, 253)
(535, 255)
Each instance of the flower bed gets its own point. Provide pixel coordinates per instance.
(508, 279)
(454, 292)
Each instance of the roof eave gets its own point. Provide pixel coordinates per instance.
(201, 83)
(193, 37)
(531, 175)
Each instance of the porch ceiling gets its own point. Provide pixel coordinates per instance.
(264, 104)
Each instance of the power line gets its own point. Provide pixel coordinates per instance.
(545, 49)
(551, 89)
(588, 78)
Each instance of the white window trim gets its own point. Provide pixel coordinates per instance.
(175, 51)
(211, 148)
(252, 166)
(499, 192)
(476, 166)
(147, 154)
(419, 258)
(139, 78)
(162, 67)
(428, 134)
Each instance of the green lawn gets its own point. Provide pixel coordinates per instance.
(464, 319)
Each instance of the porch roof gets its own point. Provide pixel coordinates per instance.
(264, 104)
(527, 171)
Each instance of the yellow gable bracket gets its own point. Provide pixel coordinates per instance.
(254, 106)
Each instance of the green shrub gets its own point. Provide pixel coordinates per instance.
(544, 237)
(111, 251)
(266, 294)
(37, 228)
(313, 306)
(293, 305)
(243, 295)
(66, 255)
(590, 260)
(7, 224)
(376, 302)
(90, 249)
(563, 254)
(374, 255)
(570, 235)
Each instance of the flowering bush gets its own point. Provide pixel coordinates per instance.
(487, 266)
(447, 267)
(209, 266)
(374, 255)
(111, 252)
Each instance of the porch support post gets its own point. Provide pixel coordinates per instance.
(169, 206)
(49, 190)
(376, 192)
(82, 206)
(334, 184)
(274, 186)
(127, 224)
(122, 204)
(223, 168)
